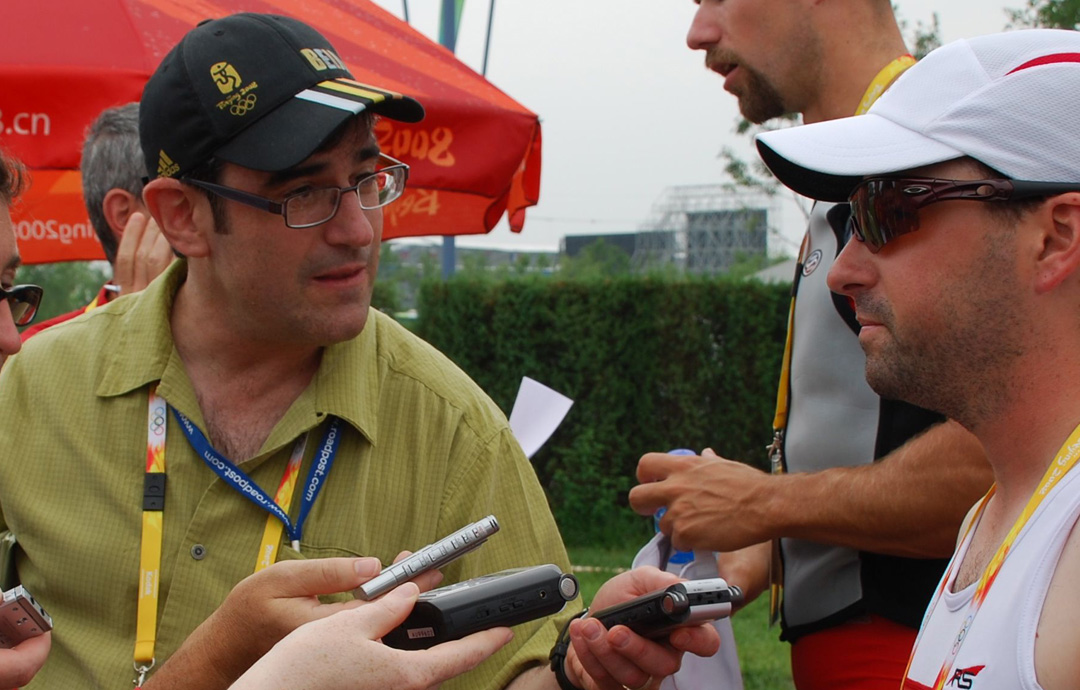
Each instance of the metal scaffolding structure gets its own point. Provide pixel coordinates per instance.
(704, 229)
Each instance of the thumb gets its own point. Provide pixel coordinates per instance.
(377, 618)
(450, 659)
(709, 453)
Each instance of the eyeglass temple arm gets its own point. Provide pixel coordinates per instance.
(237, 195)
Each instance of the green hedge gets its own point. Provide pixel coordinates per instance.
(651, 365)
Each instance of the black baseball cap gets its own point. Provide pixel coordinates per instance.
(258, 90)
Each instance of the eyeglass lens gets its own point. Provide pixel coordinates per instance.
(320, 205)
(23, 301)
(882, 212)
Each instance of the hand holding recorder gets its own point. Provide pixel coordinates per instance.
(24, 637)
(602, 659)
(351, 658)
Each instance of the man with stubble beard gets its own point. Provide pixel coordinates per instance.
(861, 508)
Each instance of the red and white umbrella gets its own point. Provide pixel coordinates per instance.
(475, 157)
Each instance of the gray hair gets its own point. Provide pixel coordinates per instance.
(111, 159)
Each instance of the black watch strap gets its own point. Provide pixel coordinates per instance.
(558, 654)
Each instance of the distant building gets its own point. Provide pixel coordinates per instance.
(703, 229)
(572, 245)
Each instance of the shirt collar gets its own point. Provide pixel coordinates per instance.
(139, 351)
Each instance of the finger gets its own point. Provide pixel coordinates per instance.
(161, 254)
(605, 664)
(646, 657)
(709, 453)
(425, 581)
(429, 580)
(679, 538)
(377, 618)
(646, 499)
(701, 640)
(450, 659)
(633, 583)
(19, 664)
(124, 268)
(653, 467)
(317, 576)
(580, 656)
(134, 229)
(143, 254)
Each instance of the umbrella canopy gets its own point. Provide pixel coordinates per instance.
(474, 157)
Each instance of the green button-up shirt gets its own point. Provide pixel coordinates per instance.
(424, 451)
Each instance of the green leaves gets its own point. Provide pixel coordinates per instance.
(1050, 14)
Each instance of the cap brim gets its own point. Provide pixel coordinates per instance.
(297, 128)
(826, 160)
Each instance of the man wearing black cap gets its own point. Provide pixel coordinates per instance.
(257, 363)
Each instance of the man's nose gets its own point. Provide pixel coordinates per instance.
(704, 29)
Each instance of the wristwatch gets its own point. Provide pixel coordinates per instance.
(558, 654)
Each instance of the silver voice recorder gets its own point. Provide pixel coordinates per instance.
(436, 555)
(21, 618)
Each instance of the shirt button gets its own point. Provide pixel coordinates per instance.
(198, 552)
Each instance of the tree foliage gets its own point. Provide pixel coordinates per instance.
(67, 285)
(597, 260)
(1050, 14)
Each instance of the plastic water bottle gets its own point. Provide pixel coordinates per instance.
(679, 558)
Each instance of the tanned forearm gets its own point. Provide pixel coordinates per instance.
(910, 503)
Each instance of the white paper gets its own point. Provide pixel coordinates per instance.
(537, 413)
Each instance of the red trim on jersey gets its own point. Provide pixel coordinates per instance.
(1055, 59)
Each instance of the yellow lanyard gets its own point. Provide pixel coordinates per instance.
(283, 497)
(1066, 459)
(883, 81)
(880, 83)
(152, 532)
(150, 554)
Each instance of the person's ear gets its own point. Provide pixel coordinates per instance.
(117, 207)
(182, 212)
(1059, 254)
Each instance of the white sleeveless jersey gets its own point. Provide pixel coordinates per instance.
(998, 652)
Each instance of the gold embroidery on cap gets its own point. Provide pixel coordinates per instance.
(225, 76)
(322, 59)
(166, 167)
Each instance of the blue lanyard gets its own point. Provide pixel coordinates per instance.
(234, 476)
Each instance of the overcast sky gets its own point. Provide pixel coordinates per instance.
(627, 109)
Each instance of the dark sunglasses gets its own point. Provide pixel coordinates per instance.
(884, 208)
(24, 301)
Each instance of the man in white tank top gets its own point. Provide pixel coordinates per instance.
(973, 310)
